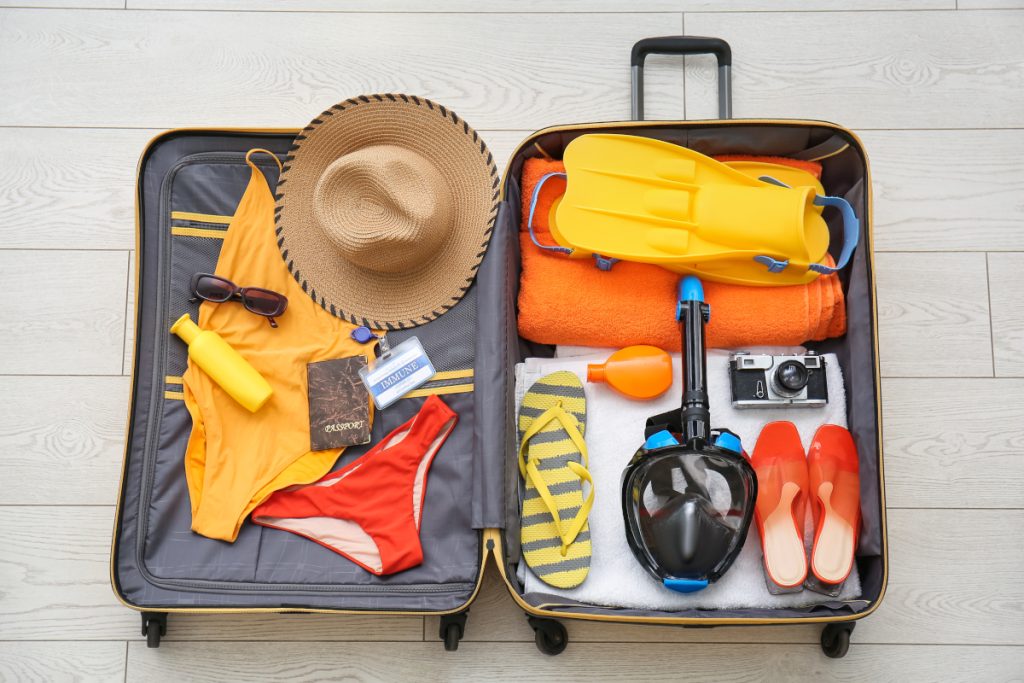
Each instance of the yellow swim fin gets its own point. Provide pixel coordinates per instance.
(788, 175)
(639, 199)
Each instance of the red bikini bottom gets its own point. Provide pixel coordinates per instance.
(370, 510)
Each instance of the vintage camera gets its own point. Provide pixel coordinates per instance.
(763, 381)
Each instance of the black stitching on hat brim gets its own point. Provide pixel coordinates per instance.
(488, 231)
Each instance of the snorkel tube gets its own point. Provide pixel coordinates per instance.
(677, 524)
(695, 417)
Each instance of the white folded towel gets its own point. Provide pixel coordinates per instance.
(614, 431)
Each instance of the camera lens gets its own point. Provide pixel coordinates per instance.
(791, 376)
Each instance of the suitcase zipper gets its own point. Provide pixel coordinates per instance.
(299, 588)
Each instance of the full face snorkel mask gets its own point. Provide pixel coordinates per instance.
(688, 494)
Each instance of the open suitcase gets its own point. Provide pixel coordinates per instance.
(188, 186)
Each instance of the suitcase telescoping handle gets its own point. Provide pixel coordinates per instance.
(682, 45)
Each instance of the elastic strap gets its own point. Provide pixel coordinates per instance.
(273, 156)
(533, 207)
(851, 233)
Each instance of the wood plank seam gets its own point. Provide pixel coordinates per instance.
(991, 326)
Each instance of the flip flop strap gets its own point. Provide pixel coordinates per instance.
(531, 472)
(569, 423)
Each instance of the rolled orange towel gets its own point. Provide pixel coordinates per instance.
(837, 327)
(570, 301)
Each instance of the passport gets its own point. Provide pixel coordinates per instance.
(339, 404)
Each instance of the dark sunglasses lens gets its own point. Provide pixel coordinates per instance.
(213, 288)
(264, 302)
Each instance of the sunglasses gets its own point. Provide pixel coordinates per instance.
(217, 290)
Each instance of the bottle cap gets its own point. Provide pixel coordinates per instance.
(185, 328)
(595, 372)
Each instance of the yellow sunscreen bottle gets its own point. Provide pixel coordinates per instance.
(223, 364)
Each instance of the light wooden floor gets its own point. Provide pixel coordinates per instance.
(936, 90)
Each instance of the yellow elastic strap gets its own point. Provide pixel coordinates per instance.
(831, 154)
(200, 217)
(531, 472)
(440, 391)
(451, 374)
(265, 151)
(199, 232)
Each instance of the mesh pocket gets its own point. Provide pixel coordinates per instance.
(449, 340)
(189, 255)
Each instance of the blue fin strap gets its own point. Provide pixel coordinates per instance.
(851, 234)
(533, 207)
(773, 265)
(773, 181)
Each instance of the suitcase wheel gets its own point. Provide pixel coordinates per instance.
(835, 639)
(453, 627)
(154, 625)
(550, 635)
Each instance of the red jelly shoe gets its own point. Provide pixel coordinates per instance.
(782, 486)
(834, 469)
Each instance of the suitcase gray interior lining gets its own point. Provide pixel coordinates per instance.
(159, 562)
(844, 174)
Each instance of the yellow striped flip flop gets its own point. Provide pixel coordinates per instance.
(553, 462)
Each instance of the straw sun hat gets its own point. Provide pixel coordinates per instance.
(385, 208)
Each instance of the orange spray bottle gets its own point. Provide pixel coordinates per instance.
(641, 372)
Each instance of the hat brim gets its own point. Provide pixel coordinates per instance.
(373, 298)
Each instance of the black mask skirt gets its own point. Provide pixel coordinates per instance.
(687, 512)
